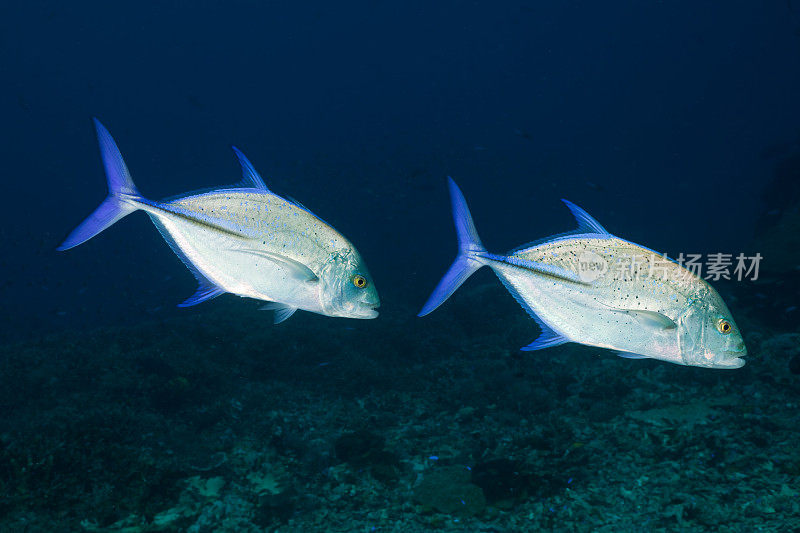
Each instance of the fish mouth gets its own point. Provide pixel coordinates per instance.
(366, 307)
(366, 311)
(732, 363)
(734, 358)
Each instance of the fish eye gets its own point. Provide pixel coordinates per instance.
(724, 327)
(359, 281)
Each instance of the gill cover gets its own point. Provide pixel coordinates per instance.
(691, 335)
(699, 341)
(338, 294)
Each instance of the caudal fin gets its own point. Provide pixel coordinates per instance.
(122, 193)
(469, 250)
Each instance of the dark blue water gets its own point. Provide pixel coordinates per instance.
(665, 120)
(651, 115)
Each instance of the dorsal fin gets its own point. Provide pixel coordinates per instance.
(251, 177)
(586, 223)
(297, 202)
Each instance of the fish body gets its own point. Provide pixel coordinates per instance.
(246, 241)
(594, 288)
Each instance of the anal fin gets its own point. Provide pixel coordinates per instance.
(631, 355)
(549, 337)
(204, 292)
(206, 289)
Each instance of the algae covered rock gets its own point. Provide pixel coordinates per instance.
(365, 449)
(359, 447)
(448, 490)
(503, 481)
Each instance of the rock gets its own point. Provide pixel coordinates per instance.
(364, 449)
(502, 481)
(794, 365)
(448, 490)
(359, 448)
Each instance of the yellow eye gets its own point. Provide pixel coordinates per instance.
(359, 281)
(724, 326)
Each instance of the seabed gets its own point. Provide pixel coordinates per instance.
(219, 421)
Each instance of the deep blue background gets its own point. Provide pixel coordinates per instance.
(651, 115)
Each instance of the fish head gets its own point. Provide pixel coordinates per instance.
(708, 335)
(347, 287)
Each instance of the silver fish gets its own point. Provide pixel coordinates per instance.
(593, 288)
(244, 240)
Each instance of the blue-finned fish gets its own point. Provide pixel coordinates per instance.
(593, 288)
(244, 240)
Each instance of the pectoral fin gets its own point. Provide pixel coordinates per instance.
(297, 269)
(651, 319)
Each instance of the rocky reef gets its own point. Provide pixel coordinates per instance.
(215, 422)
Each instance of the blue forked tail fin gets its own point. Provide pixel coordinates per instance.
(469, 252)
(122, 193)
